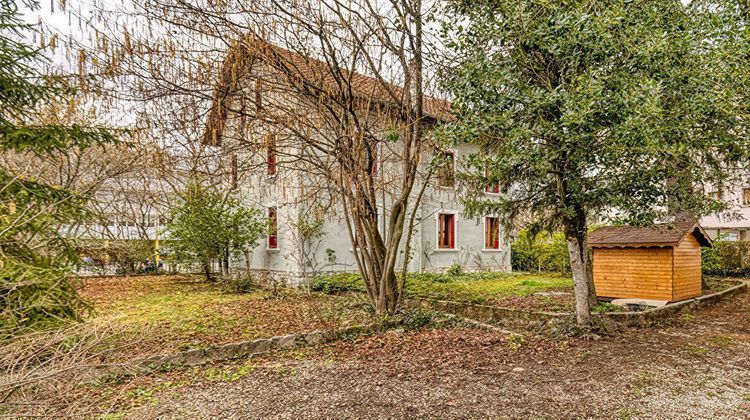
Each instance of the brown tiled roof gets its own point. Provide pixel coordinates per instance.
(663, 234)
(316, 72)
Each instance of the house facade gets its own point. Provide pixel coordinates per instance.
(735, 225)
(308, 235)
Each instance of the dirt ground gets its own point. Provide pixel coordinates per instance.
(695, 367)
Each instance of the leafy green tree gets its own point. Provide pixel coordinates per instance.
(540, 251)
(208, 225)
(35, 256)
(591, 109)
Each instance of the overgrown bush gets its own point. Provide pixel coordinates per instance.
(540, 252)
(415, 319)
(455, 270)
(238, 284)
(727, 259)
(338, 283)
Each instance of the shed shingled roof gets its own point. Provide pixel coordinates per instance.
(662, 234)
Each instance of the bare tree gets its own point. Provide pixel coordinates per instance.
(341, 88)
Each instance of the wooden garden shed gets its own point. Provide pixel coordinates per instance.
(660, 262)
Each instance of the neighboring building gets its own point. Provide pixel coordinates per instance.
(735, 226)
(660, 262)
(131, 209)
(270, 175)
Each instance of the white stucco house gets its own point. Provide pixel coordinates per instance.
(309, 234)
(735, 225)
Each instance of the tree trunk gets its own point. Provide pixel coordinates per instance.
(578, 265)
(207, 270)
(226, 263)
(593, 301)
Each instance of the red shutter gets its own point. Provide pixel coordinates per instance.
(487, 238)
(273, 239)
(452, 230)
(495, 233)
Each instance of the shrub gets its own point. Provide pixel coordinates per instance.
(238, 284)
(727, 258)
(455, 270)
(414, 319)
(540, 252)
(337, 283)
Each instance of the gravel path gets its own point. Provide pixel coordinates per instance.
(694, 368)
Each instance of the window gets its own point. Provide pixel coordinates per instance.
(494, 187)
(446, 231)
(446, 171)
(746, 196)
(271, 154)
(491, 233)
(273, 229)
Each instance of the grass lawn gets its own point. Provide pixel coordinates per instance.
(172, 313)
(519, 290)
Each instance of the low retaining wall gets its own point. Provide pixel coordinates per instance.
(256, 347)
(635, 319)
(508, 316)
(486, 313)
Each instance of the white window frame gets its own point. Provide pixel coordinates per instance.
(484, 232)
(456, 245)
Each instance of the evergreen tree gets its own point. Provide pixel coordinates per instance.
(35, 256)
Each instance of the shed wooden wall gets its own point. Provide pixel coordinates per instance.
(644, 273)
(687, 269)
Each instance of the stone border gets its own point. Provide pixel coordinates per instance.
(488, 314)
(255, 347)
(509, 316)
(636, 319)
